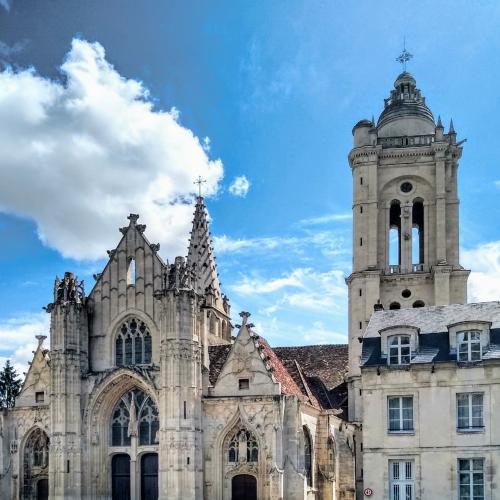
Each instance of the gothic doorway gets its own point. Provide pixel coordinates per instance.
(42, 489)
(244, 487)
(149, 476)
(36, 466)
(120, 470)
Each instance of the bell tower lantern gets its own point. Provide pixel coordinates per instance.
(405, 213)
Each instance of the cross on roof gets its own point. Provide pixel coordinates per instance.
(404, 57)
(199, 181)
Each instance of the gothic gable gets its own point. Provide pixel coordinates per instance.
(125, 287)
(35, 389)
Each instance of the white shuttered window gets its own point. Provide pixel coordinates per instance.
(402, 480)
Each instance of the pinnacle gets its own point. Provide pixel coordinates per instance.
(439, 123)
(452, 129)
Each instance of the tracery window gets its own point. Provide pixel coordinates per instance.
(243, 447)
(134, 415)
(133, 344)
(39, 448)
(307, 455)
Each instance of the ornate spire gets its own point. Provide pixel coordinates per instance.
(201, 257)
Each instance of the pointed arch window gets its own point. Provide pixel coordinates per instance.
(133, 344)
(135, 415)
(243, 447)
(38, 449)
(307, 455)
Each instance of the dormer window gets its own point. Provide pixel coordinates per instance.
(469, 346)
(399, 350)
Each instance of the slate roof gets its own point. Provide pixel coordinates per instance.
(435, 318)
(433, 339)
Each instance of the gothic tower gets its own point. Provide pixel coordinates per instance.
(405, 216)
(69, 361)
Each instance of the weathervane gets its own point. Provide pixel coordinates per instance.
(405, 56)
(199, 181)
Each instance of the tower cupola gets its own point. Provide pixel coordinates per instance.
(405, 112)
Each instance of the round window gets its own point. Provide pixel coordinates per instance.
(406, 187)
(406, 293)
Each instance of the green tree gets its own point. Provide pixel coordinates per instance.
(10, 385)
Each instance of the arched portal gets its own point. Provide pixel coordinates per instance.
(244, 487)
(36, 465)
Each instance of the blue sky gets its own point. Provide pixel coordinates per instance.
(276, 87)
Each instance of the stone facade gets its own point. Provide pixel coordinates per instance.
(144, 393)
(424, 366)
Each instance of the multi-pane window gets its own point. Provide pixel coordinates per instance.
(399, 350)
(243, 444)
(400, 413)
(402, 480)
(470, 411)
(133, 344)
(469, 346)
(134, 415)
(471, 479)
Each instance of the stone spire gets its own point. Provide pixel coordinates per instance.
(201, 257)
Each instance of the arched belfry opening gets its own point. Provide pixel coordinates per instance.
(418, 249)
(395, 233)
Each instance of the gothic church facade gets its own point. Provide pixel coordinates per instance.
(145, 394)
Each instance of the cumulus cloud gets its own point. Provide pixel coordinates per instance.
(240, 186)
(80, 154)
(484, 280)
(18, 339)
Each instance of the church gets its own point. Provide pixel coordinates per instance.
(149, 390)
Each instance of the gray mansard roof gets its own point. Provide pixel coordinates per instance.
(432, 323)
(434, 319)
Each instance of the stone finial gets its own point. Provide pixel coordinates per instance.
(244, 317)
(40, 339)
(133, 218)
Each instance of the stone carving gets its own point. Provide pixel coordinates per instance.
(69, 290)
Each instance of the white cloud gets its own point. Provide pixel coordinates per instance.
(5, 4)
(285, 333)
(323, 292)
(330, 243)
(18, 339)
(7, 50)
(79, 156)
(325, 219)
(240, 186)
(484, 280)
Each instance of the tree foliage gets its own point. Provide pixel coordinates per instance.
(10, 385)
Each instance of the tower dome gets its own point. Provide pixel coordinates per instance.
(405, 112)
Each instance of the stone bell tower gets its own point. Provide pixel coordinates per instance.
(405, 215)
